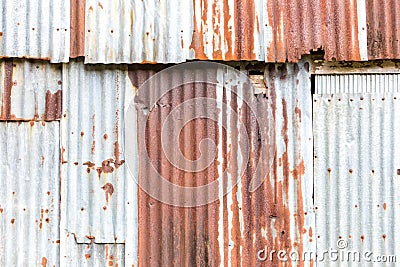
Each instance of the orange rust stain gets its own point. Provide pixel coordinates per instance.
(100, 5)
(92, 149)
(384, 206)
(310, 232)
(87, 256)
(12, 220)
(44, 261)
(108, 190)
(82, 133)
(105, 136)
(118, 162)
(62, 156)
(8, 84)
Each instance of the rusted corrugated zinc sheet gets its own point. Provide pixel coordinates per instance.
(99, 203)
(357, 171)
(30, 90)
(29, 194)
(383, 29)
(242, 227)
(171, 32)
(77, 28)
(35, 29)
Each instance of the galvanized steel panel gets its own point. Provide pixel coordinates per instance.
(97, 194)
(175, 31)
(31, 90)
(29, 194)
(35, 29)
(233, 229)
(357, 83)
(357, 170)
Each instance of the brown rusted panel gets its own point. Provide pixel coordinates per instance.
(8, 84)
(170, 235)
(383, 27)
(77, 48)
(301, 26)
(53, 105)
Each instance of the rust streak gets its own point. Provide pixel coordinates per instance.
(108, 190)
(8, 84)
(77, 33)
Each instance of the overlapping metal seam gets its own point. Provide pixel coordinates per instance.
(35, 29)
(29, 194)
(357, 169)
(31, 90)
(94, 176)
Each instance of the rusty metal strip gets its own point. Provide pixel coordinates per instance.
(77, 46)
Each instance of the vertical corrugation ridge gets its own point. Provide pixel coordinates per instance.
(383, 29)
(29, 194)
(24, 35)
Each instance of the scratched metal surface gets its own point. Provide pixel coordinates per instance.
(29, 194)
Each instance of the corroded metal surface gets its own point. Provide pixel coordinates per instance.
(30, 90)
(77, 46)
(35, 29)
(29, 194)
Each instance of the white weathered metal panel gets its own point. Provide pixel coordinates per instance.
(29, 193)
(357, 83)
(357, 172)
(31, 90)
(95, 184)
(35, 29)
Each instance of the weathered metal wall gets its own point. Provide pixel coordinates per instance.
(357, 83)
(31, 90)
(98, 198)
(233, 229)
(29, 194)
(35, 29)
(271, 31)
(383, 29)
(357, 167)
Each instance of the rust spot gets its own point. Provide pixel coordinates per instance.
(44, 261)
(100, 5)
(57, 241)
(87, 256)
(90, 237)
(82, 133)
(89, 164)
(105, 136)
(384, 206)
(398, 171)
(8, 84)
(351, 171)
(47, 220)
(106, 166)
(108, 190)
(329, 170)
(1, 210)
(362, 238)
(76, 163)
(53, 105)
(12, 220)
(384, 236)
(48, 193)
(104, 207)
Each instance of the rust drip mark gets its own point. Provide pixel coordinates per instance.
(8, 84)
(42, 161)
(44, 261)
(77, 33)
(100, 5)
(108, 190)
(53, 105)
(93, 147)
(297, 110)
(63, 161)
(117, 162)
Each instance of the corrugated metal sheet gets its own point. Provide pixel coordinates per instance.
(77, 47)
(233, 229)
(357, 83)
(271, 31)
(98, 198)
(35, 29)
(383, 29)
(357, 168)
(31, 90)
(29, 194)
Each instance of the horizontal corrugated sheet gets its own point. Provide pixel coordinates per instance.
(271, 31)
(357, 83)
(29, 194)
(357, 171)
(233, 229)
(35, 29)
(98, 197)
(31, 90)
(383, 29)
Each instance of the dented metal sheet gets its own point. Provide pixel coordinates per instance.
(97, 194)
(29, 194)
(357, 172)
(30, 90)
(35, 29)
(357, 83)
(271, 31)
(232, 230)
(383, 29)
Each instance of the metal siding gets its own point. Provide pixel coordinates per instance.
(356, 172)
(383, 29)
(31, 90)
(272, 31)
(97, 193)
(35, 29)
(77, 47)
(29, 194)
(357, 83)
(231, 230)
